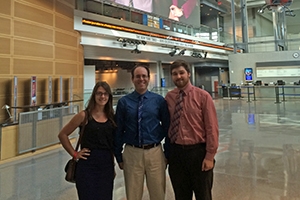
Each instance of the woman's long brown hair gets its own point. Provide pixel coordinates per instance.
(108, 108)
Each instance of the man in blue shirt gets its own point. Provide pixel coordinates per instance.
(143, 120)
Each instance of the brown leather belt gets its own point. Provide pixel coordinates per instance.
(144, 146)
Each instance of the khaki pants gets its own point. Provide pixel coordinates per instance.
(139, 163)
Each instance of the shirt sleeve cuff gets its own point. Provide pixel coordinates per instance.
(210, 156)
(119, 159)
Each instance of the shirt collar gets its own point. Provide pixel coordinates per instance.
(186, 89)
(137, 95)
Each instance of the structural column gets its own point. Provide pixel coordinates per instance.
(233, 26)
(193, 81)
(279, 26)
(244, 18)
(160, 73)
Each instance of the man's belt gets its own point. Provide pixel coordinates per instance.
(144, 146)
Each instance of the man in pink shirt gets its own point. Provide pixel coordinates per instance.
(194, 142)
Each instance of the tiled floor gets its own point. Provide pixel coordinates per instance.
(258, 159)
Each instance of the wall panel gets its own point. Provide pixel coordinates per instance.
(257, 60)
(5, 87)
(5, 25)
(5, 7)
(75, 84)
(66, 39)
(25, 66)
(4, 45)
(27, 48)
(29, 32)
(4, 65)
(63, 23)
(44, 4)
(33, 31)
(5, 98)
(65, 69)
(65, 53)
(80, 56)
(33, 14)
(9, 142)
(64, 9)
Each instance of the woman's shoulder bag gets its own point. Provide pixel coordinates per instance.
(70, 167)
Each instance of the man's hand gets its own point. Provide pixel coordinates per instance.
(120, 165)
(167, 162)
(207, 165)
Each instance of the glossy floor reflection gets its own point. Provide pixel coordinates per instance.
(258, 159)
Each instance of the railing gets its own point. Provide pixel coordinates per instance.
(292, 91)
(38, 129)
(116, 11)
(249, 93)
(233, 91)
(267, 43)
(256, 44)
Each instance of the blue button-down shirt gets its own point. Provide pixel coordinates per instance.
(154, 124)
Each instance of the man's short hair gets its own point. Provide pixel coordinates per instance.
(180, 63)
(140, 65)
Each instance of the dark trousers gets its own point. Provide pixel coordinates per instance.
(95, 176)
(185, 170)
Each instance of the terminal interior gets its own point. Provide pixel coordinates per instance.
(257, 159)
(245, 53)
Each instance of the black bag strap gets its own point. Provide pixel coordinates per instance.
(81, 131)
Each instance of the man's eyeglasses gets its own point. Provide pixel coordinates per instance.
(102, 94)
(141, 76)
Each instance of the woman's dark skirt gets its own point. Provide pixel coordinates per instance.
(95, 176)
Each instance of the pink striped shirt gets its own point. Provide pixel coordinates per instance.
(198, 122)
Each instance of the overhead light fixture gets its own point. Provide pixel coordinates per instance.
(108, 71)
(196, 54)
(182, 52)
(278, 7)
(136, 50)
(261, 10)
(134, 42)
(123, 41)
(120, 39)
(173, 52)
(288, 12)
(130, 42)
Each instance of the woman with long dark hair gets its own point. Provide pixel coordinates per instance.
(95, 168)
